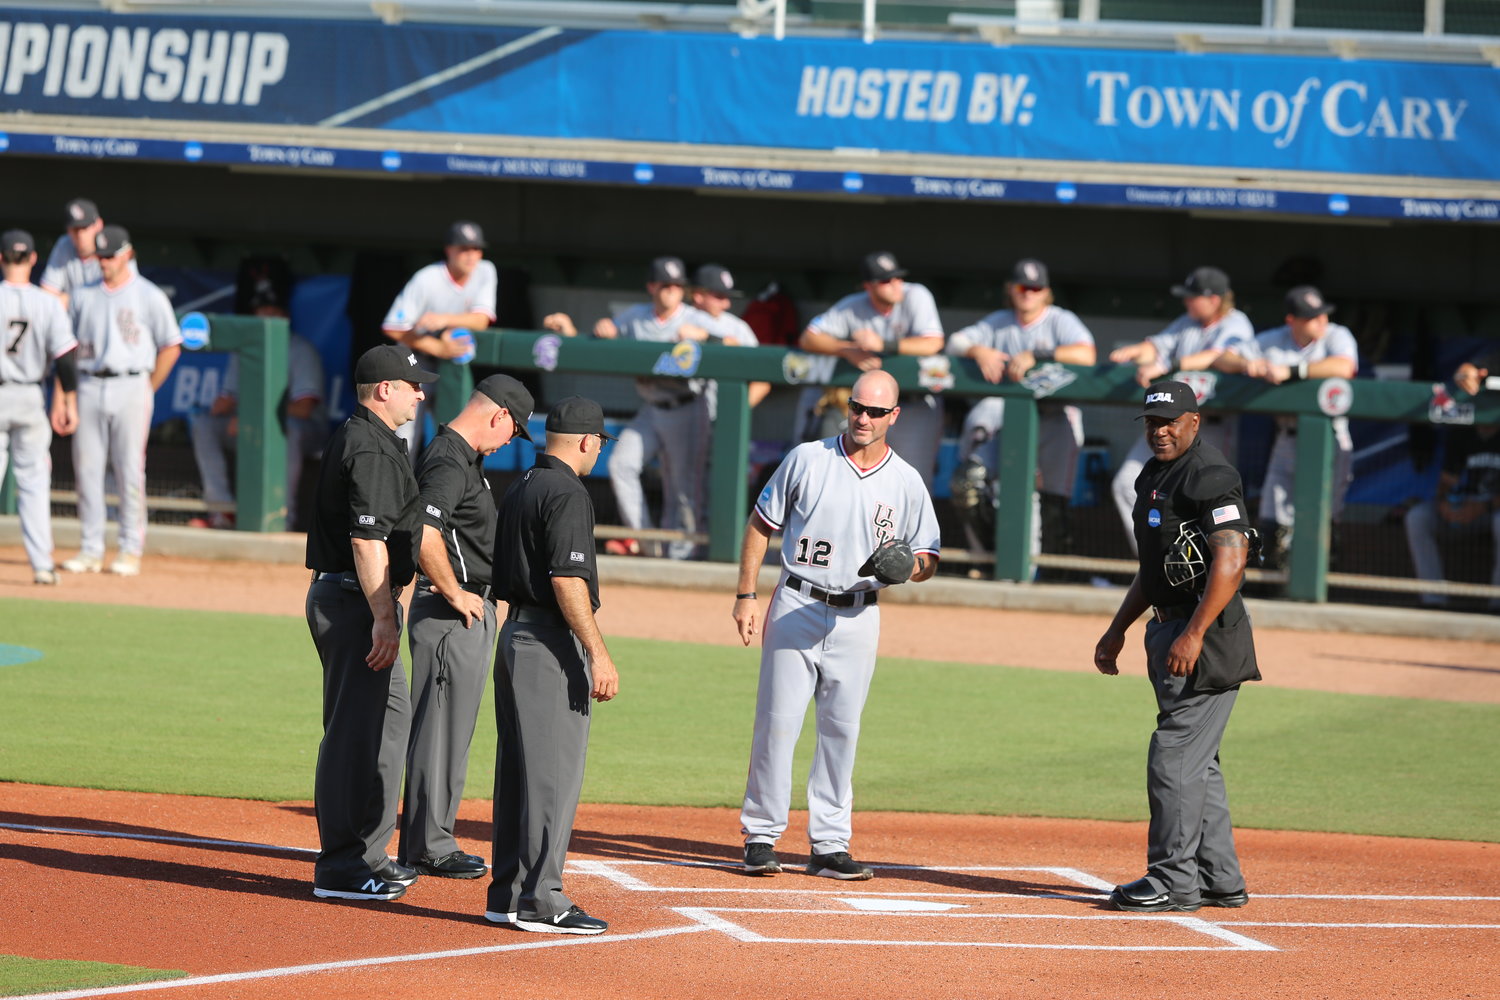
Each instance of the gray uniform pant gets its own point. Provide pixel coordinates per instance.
(212, 444)
(542, 713)
(25, 440)
(1190, 843)
(678, 437)
(114, 417)
(366, 718)
(448, 668)
(1423, 528)
(1281, 474)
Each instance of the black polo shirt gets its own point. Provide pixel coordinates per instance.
(365, 490)
(546, 529)
(1200, 485)
(456, 501)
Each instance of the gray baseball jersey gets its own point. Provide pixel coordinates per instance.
(1054, 328)
(640, 322)
(36, 330)
(915, 315)
(65, 272)
(832, 513)
(304, 376)
(121, 329)
(1185, 336)
(432, 289)
(727, 325)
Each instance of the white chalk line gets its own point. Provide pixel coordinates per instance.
(367, 963)
(153, 837)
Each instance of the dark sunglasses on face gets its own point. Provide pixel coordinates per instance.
(874, 412)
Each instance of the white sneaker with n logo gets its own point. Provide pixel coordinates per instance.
(372, 887)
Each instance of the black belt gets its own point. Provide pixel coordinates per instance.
(848, 599)
(530, 614)
(348, 581)
(673, 404)
(1173, 612)
(482, 589)
(106, 373)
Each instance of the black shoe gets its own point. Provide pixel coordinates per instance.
(1228, 900)
(574, 921)
(395, 871)
(1140, 897)
(455, 865)
(760, 859)
(372, 887)
(838, 865)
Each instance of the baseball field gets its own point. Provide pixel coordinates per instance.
(156, 831)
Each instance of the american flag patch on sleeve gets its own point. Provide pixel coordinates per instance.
(1229, 513)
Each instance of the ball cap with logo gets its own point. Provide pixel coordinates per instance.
(390, 363)
(716, 279)
(513, 396)
(881, 265)
(1169, 400)
(80, 212)
(110, 241)
(1203, 281)
(577, 415)
(1306, 302)
(17, 243)
(1030, 272)
(466, 234)
(667, 271)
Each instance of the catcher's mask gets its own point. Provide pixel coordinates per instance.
(1186, 559)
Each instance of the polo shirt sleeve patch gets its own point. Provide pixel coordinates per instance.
(367, 520)
(434, 511)
(1230, 512)
(576, 556)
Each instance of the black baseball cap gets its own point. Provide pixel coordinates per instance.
(881, 266)
(715, 278)
(1305, 302)
(265, 295)
(81, 212)
(1169, 399)
(1030, 272)
(577, 415)
(110, 241)
(466, 234)
(16, 243)
(667, 271)
(390, 363)
(1203, 281)
(513, 396)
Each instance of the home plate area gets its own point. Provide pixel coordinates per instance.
(916, 906)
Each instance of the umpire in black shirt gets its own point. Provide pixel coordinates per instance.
(362, 547)
(550, 661)
(1194, 538)
(452, 630)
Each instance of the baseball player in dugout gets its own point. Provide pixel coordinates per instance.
(1306, 346)
(890, 316)
(441, 307)
(128, 341)
(1208, 326)
(713, 293)
(363, 544)
(452, 632)
(1006, 345)
(854, 518)
(550, 662)
(1194, 539)
(72, 263)
(673, 422)
(38, 336)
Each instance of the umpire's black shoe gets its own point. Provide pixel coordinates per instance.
(760, 859)
(395, 871)
(838, 865)
(372, 887)
(1141, 897)
(455, 865)
(1228, 900)
(574, 921)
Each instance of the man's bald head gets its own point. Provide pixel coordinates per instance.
(876, 388)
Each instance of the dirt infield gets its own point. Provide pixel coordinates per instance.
(963, 907)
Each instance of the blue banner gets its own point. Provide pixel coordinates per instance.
(928, 98)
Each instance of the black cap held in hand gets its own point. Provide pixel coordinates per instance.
(577, 415)
(391, 363)
(514, 397)
(1168, 399)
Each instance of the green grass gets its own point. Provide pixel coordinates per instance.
(226, 704)
(20, 975)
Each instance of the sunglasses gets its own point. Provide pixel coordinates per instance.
(873, 412)
(1031, 288)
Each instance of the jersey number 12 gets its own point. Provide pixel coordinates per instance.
(811, 553)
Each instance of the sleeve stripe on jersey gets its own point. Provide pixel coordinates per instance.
(762, 515)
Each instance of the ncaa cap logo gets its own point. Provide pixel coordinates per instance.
(1159, 397)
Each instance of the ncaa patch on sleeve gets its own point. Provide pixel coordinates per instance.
(1229, 513)
(367, 519)
(576, 556)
